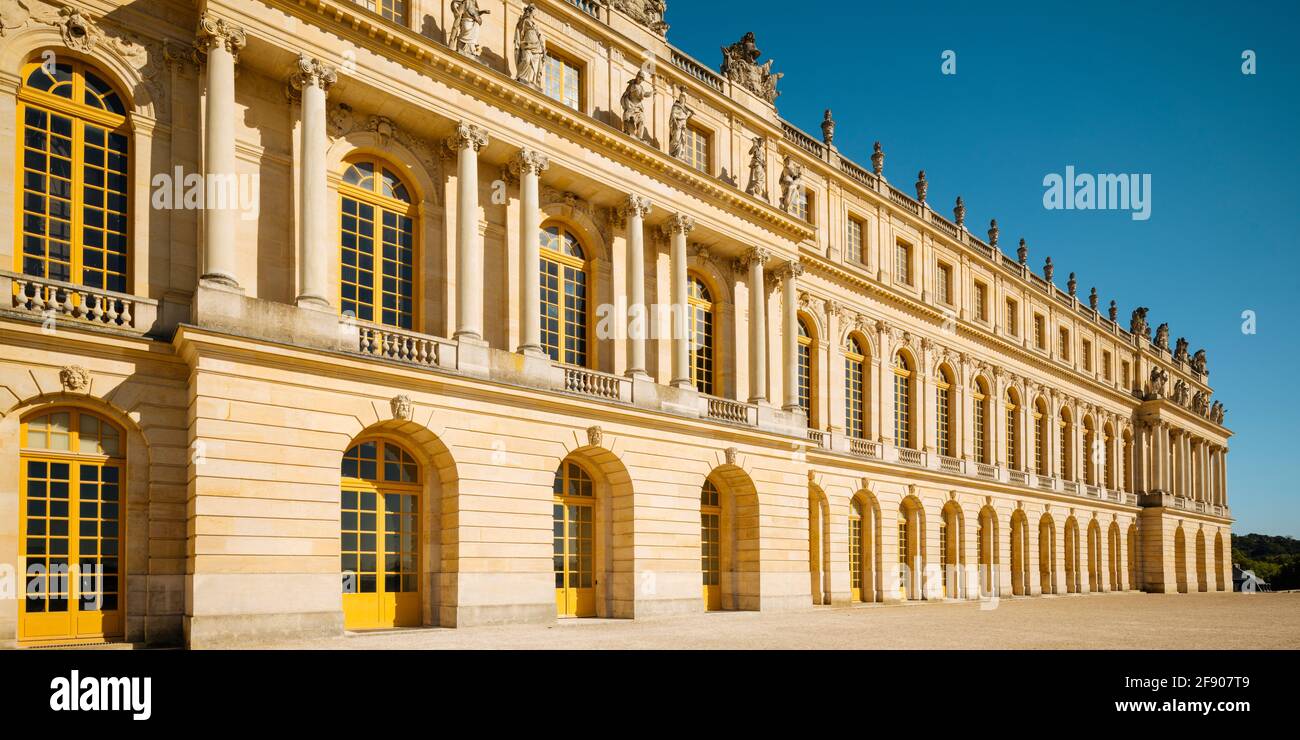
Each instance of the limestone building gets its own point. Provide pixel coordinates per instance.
(337, 315)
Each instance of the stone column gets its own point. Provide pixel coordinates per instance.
(222, 42)
(678, 228)
(790, 334)
(834, 419)
(753, 262)
(634, 212)
(312, 80)
(528, 165)
(466, 142)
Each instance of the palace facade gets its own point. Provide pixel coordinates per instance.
(338, 315)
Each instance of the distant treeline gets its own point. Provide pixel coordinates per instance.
(1275, 559)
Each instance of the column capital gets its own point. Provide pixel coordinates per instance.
(790, 270)
(216, 32)
(467, 135)
(311, 72)
(759, 255)
(635, 205)
(679, 224)
(529, 162)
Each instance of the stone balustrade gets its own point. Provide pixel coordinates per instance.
(53, 300)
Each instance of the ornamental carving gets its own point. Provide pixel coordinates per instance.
(467, 135)
(649, 13)
(1198, 362)
(740, 65)
(343, 120)
(530, 49)
(529, 162)
(1180, 353)
(466, 27)
(595, 436)
(1162, 337)
(731, 454)
(758, 168)
(1137, 324)
(76, 30)
(216, 32)
(679, 119)
(310, 72)
(792, 192)
(1157, 384)
(640, 89)
(74, 379)
(402, 407)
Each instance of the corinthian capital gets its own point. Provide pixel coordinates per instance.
(757, 255)
(529, 162)
(312, 72)
(216, 32)
(790, 270)
(635, 205)
(467, 135)
(679, 224)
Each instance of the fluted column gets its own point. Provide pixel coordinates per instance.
(678, 229)
(754, 261)
(634, 211)
(528, 165)
(221, 41)
(312, 80)
(790, 333)
(466, 142)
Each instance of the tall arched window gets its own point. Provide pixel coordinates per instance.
(1065, 430)
(565, 297)
(74, 177)
(380, 536)
(943, 412)
(855, 389)
(855, 549)
(377, 238)
(1013, 429)
(806, 369)
(903, 402)
(71, 521)
(1089, 451)
(1041, 420)
(980, 415)
(711, 545)
(700, 300)
(573, 509)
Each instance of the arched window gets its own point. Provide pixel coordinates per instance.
(980, 415)
(1040, 437)
(855, 387)
(377, 242)
(380, 530)
(943, 412)
(903, 402)
(700, 300)
(71, 520)
(1065, 429)
(565, 297)
(1013, 429)
(806, 370)
(74, 177)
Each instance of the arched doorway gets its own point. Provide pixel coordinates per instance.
(1094, 558)
(986, 538)
(1020, 574)
(731, 577)
(864, 544)
(1116, 571)
(71, 519)
(574, 540)
(1202, 579)
(1047, 554)
(379, 525)
(1073, 569)
(911, 554)
(1180, 560)
(1134, 569)
(950, 541)
(1218, 561)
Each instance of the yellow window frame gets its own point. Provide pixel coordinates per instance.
(566, 328)
(375, 198)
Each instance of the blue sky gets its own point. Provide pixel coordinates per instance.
(1123, 87)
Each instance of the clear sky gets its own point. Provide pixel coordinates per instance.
(1109, 87)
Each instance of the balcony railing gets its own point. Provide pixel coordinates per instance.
(904, 200)
(1092, 491)
(1200, 507)
(949, 464)
(405, 346)
(1018, 477)
(732, 412)
(986, 471)
(596, 384)
(60, 301)
(803, 141)
(1047, 483)
(908, 456)
(817, 437)
(944, 224)
(858, 173)
(590, 7)
(865, 448)
(697, 70)
(1180, 502)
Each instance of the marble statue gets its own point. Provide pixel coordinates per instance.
(1180, 352)
(740, 65)
(466, 24)
(1162, 336)
(1198, 362)
(792, 193)
(638, 91)
(530, 49)
(1137, 324)
(758, 169)
(678, 118)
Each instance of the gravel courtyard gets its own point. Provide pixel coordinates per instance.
(1118, 620)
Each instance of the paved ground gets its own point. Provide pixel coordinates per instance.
(1120, 620)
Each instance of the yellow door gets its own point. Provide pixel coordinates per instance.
(70, 536)
(711, 546)
(379, 530)
(574, 542)
(855, 550)
(903, 572)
